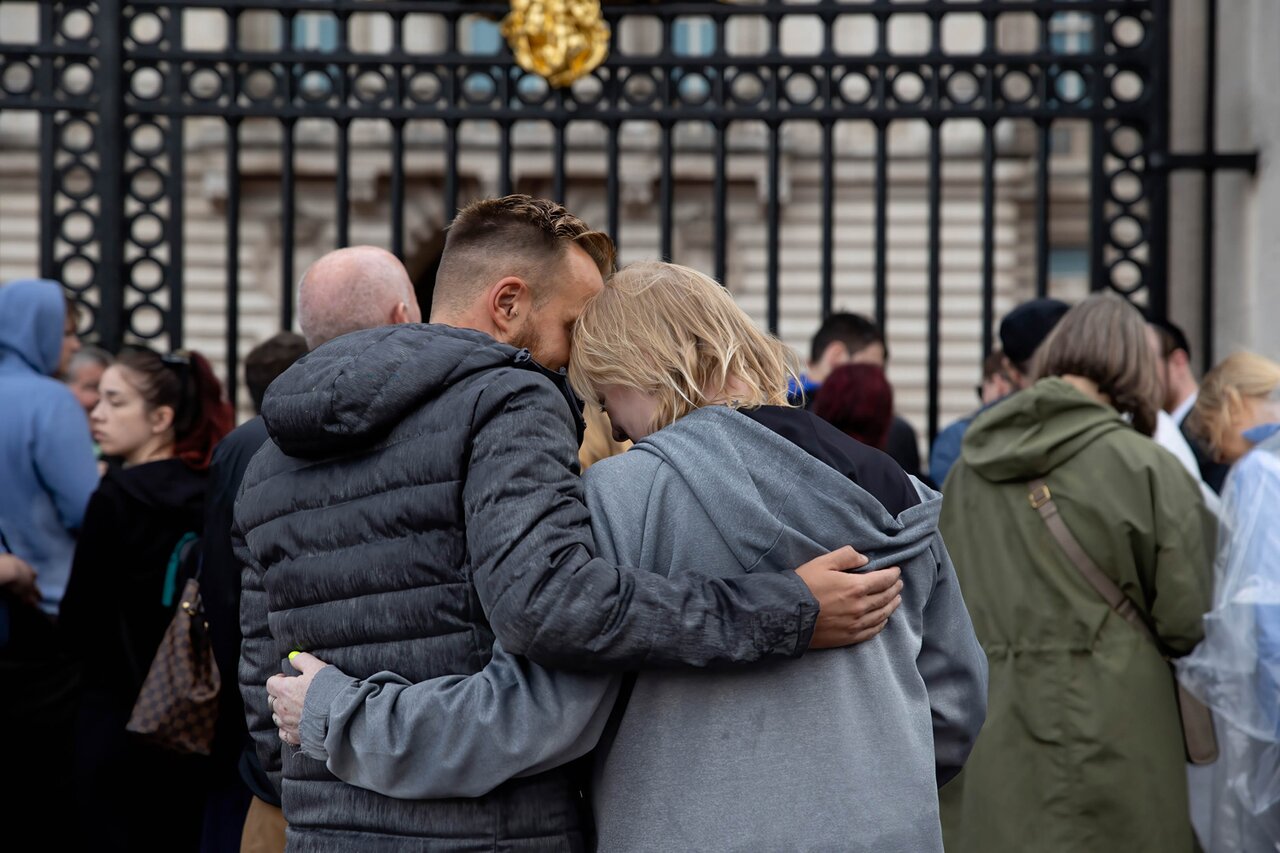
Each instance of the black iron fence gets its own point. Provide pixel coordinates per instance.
(115, 84)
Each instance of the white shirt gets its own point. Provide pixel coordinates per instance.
(1184, 408)
(1171, 439)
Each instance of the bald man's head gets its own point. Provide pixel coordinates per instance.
(361, 287)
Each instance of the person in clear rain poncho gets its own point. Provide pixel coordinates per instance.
(1236, 669)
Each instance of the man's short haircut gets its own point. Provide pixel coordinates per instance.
(515, 235)
(855, 331)
(1172, 338)
(268, 360)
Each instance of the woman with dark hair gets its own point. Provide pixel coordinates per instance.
(162, 416)
(1082, 748)
(857, 399)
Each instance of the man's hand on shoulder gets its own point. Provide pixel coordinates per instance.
(852, 607)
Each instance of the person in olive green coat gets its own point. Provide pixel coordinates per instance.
(1082, 748)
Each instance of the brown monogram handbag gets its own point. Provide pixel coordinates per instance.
(177, 707)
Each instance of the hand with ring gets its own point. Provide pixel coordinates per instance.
(286, 696)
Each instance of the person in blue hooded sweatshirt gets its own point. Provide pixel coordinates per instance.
(47, 473)
(839, 750)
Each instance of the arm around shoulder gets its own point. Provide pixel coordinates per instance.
(547, 595)
(453, 736)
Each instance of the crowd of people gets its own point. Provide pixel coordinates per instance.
(588, 561)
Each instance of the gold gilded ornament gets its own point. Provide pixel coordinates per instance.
(560, 40)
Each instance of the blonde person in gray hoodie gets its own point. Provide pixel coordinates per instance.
(839, 750)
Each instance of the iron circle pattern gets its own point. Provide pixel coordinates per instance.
(146, 319)
(251, 67)
(146, 274)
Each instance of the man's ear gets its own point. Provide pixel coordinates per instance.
(834, 355)
(508, 305)
(160, 419)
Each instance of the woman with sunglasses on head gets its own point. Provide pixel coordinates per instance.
(162, 416)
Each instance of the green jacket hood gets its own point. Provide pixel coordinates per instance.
(1030, 433)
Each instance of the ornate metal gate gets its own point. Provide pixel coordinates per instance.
(115, 83)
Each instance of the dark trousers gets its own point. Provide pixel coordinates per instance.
(130, 795)
(38, 688)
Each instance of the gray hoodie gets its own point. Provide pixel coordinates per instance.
(835, 751)
(841, 750)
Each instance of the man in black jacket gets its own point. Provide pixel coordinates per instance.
(1181, 392)
(344, 291)
(420, 501)
(854, 339)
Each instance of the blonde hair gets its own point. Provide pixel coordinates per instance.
(1223, 392)
(672, 332)
(1104, 339)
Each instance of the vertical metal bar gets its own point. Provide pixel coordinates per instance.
(1042, 210)
(774, 225)
(450, 169)
(504, 157)
(451, 126)
(174, 227)
(1207, 199)
(397, 142)
(176, 147)
(666, 192)
(720, 202)
(111, 279)
(935, 273)
(342, 186)
(1156, 181)
(51, 144)
(558, 157)
(342, 183)
(1097, 206)
(827, 156)
(720, 167)
(287, 182)
(286, 225)
(233, 256)
(1042, 175)
(397, 188)
(612, 183)
(988, 237)
(882, 183)
(882, 223)
(989, 199)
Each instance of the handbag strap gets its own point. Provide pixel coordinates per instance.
(1042, 502)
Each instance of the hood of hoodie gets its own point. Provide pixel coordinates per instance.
(32, 314)
(350, 392)
(757, 486)
(1030, 433)
(169, 486)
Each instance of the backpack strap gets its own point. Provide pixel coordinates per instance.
(1042, 502)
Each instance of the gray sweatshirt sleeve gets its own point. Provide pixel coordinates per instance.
(954, 668)
(547, 597)
(453, 736)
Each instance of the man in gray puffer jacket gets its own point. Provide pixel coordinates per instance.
(419, 501)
